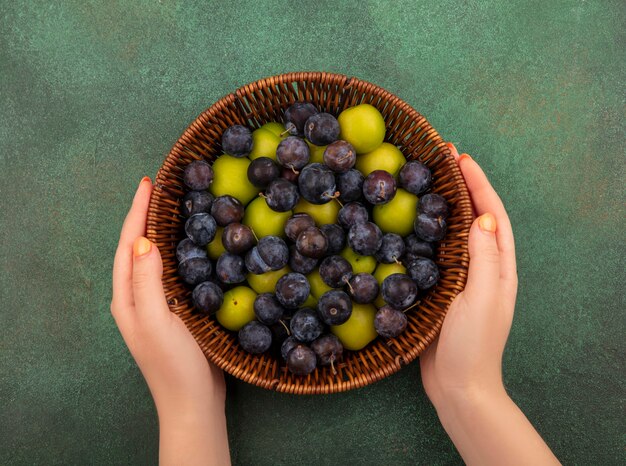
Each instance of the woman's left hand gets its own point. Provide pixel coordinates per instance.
(188, 391)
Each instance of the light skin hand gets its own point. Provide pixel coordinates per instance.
(467, 356)
(462, 369)
(188, 391)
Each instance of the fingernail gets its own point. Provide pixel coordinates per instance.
(145, 178)
(487, 222)
(463, 157)
(141, 246)
(451, 147)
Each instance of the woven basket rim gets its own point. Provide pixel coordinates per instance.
(243, 106)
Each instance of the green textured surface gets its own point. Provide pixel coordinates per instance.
(94, 94)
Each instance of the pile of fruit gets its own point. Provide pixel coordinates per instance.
(311, 236)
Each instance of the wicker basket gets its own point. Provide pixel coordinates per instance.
(263, 101)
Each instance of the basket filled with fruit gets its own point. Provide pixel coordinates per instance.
(313, 229)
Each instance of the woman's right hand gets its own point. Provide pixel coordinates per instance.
(462, 370)
(467, 357)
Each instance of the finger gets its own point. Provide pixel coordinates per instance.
(453, 151)
(485, 199)
(147, 285)
(483, 274)
(134, 226)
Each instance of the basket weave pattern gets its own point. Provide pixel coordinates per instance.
(263, 101)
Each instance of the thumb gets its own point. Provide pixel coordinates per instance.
(147, 272)
(484, 267)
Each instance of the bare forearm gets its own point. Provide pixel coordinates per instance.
(193, 438)
(192, 426)
(489, 429)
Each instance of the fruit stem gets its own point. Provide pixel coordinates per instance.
(412, 306)
(335, 195)
(294, 170)
(397, 261)
(254, 234)
(350, 287)
(332, 365)
(285, 325)
(346, 280)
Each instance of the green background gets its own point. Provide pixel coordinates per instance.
(94, 94)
